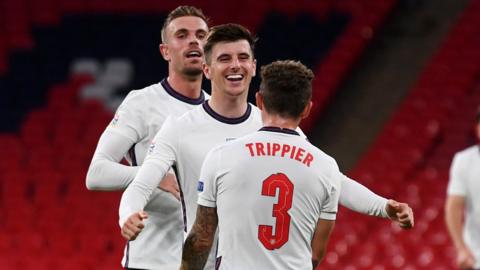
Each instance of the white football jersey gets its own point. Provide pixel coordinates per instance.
(139, 118)
(465, 181)
(183, 143)
(270, 188)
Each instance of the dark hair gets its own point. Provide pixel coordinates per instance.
(286, 88)
(182, 11)
(227, 33)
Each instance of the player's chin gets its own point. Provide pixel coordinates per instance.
(193, 70)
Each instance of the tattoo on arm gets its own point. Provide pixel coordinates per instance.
(200, 240)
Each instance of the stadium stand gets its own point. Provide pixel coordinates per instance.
(410, 160)
(51, 52)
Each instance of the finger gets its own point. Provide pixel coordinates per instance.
(405, 226)
(133, 219)
(133, 229)
(127, 233)
(406, 219)
(143, 215)
(402, 207)
(138, 226)
(471, 262)
(403, 216)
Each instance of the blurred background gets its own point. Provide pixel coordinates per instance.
(396, 91)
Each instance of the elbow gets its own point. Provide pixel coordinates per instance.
(317, 257)
(90, 182)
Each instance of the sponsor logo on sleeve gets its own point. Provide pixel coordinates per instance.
(200, 186)
(151, 148)
(114, 121)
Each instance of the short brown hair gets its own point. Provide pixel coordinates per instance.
(182, 11)
(286, 88)
(229, 32)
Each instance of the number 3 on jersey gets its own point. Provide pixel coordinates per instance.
(280, 211)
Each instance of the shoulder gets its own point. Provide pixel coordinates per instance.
(192, 116)
(467, 154)
(323, 157)
(232, 147)
(142, 97)
(190, 120)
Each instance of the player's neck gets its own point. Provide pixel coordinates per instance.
(228, 106)
(187, 87)
(271, 120)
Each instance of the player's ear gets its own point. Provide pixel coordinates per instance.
(306, 110)
(259, 100)
(206, 71)
(164, 51)
(254, 67)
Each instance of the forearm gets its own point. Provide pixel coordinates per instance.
(105, 171)
(195, 254)
(360, 199)
(107, 175)
(454, 221)
(320, 240)
(455, 226)
(200, 239)
(138, 193)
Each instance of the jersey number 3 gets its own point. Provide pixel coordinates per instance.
(280, 211)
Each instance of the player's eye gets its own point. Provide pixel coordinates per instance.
(201, 35)
(224, 59)
(244, 57)
(181, 35)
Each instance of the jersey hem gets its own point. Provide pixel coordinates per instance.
(207, 203)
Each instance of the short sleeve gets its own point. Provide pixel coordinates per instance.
(207, 184)
(128, 119)
(330, 204)
(456, 184)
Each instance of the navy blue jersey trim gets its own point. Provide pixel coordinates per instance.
(127, 254)
(280, 130)
(182, 199)
(218, 261)
(226, 120)
(132, 155)
(172, 92)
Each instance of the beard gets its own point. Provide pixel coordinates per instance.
(192, 71)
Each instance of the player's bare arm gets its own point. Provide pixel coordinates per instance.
(401, 213)
(454, 215)
(320, 239)
(200, 240)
